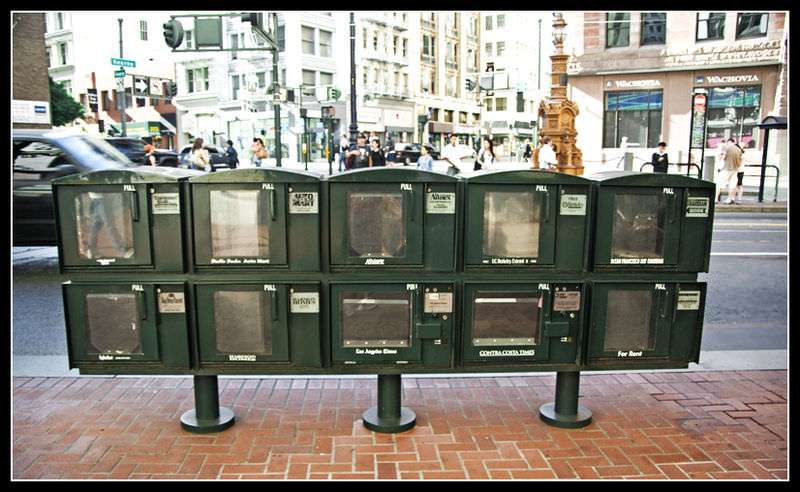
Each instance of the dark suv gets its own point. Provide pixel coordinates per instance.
(409, 153)
(40, 156)
(134, 149)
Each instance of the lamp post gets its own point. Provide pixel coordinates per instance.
(353, 114)
(121, 92)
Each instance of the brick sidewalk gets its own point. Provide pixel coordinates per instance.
(699, 425)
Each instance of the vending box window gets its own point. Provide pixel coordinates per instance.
(652, 222)
(645, 325)
(527, 219)
(264, 219)
(393, 325)
(249, 327)
(121, 220)
(393, 218)
(126, 328)
(522, 324)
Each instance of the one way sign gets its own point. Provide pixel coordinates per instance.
(141, 86)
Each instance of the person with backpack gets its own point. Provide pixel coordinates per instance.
(200, 158)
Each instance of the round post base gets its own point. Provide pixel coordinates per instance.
(191, 423)
(407, 420)
(582, 418)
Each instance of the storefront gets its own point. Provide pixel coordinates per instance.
(637, 111)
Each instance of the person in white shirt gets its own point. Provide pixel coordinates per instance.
(452, 155)
(547, 156)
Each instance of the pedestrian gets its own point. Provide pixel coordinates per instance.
(259, 152)
(376, 155)
(358, 155)
(200, 158)
(547, 155)
(740, 174)
(231, 156)
(528, 152)
(660, 160)
(344, 146)
(451, 154)
(732, 161)
(149, 158)
(486, 155)
(425, 161)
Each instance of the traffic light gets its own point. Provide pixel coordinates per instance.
(173, 33)
(254, 18)
(470, 84)
(334, 93)
(172, 90)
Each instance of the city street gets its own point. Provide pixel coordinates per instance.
(746, 308)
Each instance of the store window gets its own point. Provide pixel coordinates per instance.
(751, 25)
(325, 43)
(308, 40)
(710, 25)
(635, 115)
(654, 28)
(733, 113)
(618, 29)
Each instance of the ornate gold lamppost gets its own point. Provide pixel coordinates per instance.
(557, 113)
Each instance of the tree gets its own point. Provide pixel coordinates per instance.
(65, 109)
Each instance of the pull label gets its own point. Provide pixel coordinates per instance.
(128, 188)
(406, 187)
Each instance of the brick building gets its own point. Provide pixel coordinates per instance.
(31, 90)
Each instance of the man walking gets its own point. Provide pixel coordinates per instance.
(660, 160)
(547, 156)
(231, 156)
(732, 158)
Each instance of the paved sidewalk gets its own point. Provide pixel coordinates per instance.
(686, 425)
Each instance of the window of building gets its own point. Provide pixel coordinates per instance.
(428, 80)
(235, 87)
(49, 58)
(751, 25)
(635, 115)
(405, 82)
(501, 48)
(428, 45)
(488, 49)
(395, 44)
(405, 47)
(733, 113)
(488, 22)
(143, 30)
(308, 40)
(448, 116)
(105, 102)
(62, 53)
(325, 38)
(500, 104)
(654, 28)
(365, 37)
(187, 39)
(710, 25)
(434, 114)
(67, 85)
(325, 78)
(366, 75)
(281, 38)
(309, 80)
(261, 79)
(489, 104)
(197, 79)
(462, 118)
(618, 29)
(501, 21)
(59, 21)
(140, 102)
(234, 46)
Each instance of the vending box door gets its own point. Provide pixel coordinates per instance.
(376, 323)
(239, 224)
(112, 323)
(636, 321)
(241, 323)
(102, 225)
(376, 223)
(638, 226)
(513, 224)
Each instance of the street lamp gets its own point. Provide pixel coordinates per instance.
(559, 30)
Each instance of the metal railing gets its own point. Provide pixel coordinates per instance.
(777, 174)
(690, 164)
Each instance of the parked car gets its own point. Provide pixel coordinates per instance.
(217, 157)
(134, 149)
(409, 153)
(40, 156)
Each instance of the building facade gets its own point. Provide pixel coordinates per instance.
(80, 46)
(516, 46)
(31, 88)
(633, 74)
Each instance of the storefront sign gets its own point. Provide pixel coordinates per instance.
(633, 84)
(37, 112)
(726, 79)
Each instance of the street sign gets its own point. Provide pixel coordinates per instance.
(141, 86)
(119, 73)
(120, 84)
(91, 97)
(123, 62)
(156, 87)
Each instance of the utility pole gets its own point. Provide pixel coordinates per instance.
(276, 108)
(539, 70)
(353, 114)
(121, 93)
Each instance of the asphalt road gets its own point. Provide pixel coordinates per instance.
(746, 307)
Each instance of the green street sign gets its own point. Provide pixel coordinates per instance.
(119, 73)
(123, 62)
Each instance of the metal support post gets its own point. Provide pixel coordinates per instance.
(207, 415)
(764, 168)
(388, 416)
(121, 94)
(629, 161)
(566, 412)
(708, 168)
(353, 114)
(275, 88)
